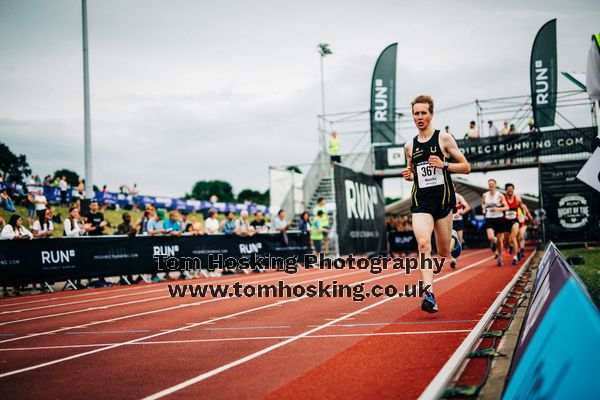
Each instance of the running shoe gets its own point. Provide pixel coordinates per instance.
(515, 260)
(496, 255)
(453, 263)
(428, 303)
(499, 263)
(455, 252)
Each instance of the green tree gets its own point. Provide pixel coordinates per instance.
(72, 177)
(14, 167)
(254, 196)
(203, 190)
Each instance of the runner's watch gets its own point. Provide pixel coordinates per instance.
(445, 168)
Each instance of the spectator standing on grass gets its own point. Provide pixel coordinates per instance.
(279, 222)
(134, 192)
(62, 185)
(15, 229)
(228, 224)
(125, 228)
(172, 225)
(335, 148)
(40, 201)
(30, 202)
(281, 225)
(43, 227)
(212, 223)
(492, 130)
(505, 129)
(73, 225)
(6, 202)
(95, 219)
(259, 224)
(242, 225)
(473, 132)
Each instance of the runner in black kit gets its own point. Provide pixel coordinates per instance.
(432, 196)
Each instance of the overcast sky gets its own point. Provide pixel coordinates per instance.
(183, 91)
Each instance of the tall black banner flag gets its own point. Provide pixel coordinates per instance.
(383, 98)
(572, 207)
(543, 72)
(360, 211)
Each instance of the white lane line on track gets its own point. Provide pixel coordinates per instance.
(100, 292)
(164, 309)
(16, 321)
(60, 360)
(266, 350)
(79, 302)
(238, 339)
(240, 328)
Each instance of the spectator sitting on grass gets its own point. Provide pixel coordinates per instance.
(73, 226)
(95, 219)
(6, 202)
(126, 228)
(172, 225)
(212, 223)
(43, 227)
(259, 224)
(197, 226)
(15, 229)
(155, 225)
(228, 225)
(242, 226)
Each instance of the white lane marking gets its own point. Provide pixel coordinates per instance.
(237, 339)
(241, 328)
(101, 292)
(187, 326)
(266, 350)
(155, 311)
(79, 302)
(132, 315)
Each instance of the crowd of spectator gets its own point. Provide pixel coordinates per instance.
(398, 224)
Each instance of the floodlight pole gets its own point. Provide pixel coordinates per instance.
(87, 138)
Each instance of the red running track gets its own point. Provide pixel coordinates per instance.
(137, 342)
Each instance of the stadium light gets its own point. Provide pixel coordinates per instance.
(324, 51)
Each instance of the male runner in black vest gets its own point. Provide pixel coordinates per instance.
(432, 196)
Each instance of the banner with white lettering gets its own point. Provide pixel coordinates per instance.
(572, 207)
(383, 97)
(55, 260)
(543, 72)
(526, 149)
(360, 212)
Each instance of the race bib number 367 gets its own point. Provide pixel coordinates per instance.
(429, 176)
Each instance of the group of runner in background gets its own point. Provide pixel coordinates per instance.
(506, 217)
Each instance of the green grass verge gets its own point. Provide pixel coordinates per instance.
(590, 271)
